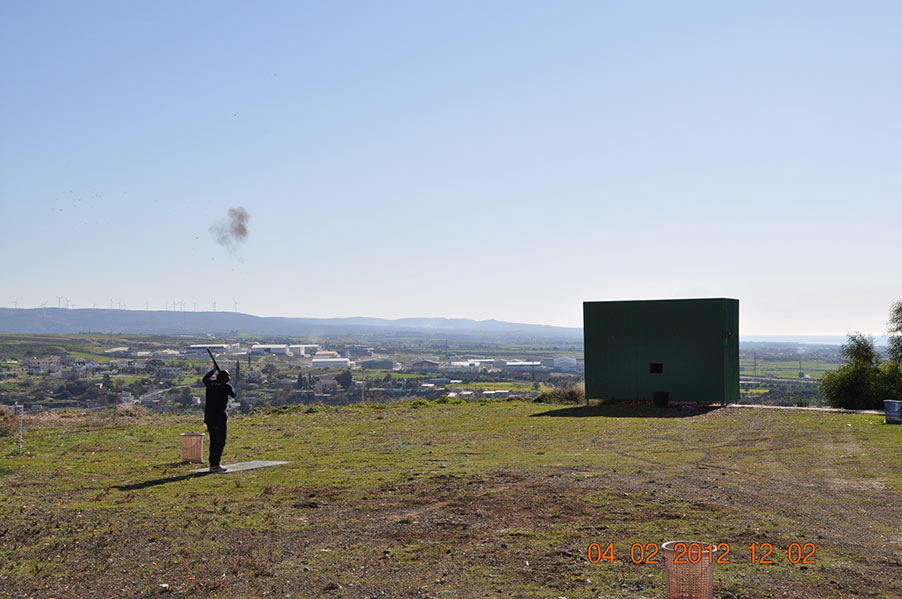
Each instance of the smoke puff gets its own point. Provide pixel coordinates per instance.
(232, 231)
(238, 222)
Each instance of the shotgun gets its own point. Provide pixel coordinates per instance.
(215, 365)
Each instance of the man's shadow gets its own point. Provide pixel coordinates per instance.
(160, 481)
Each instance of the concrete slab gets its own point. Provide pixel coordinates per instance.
(242, 466)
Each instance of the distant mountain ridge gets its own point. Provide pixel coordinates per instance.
(150, 322)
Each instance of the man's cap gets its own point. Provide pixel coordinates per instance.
(223, 374)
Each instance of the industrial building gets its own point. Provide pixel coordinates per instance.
(425, 365)
(276, 349)
(331, 363)
(381, 364)
(662, 350)
(302, 349)
(216, 348)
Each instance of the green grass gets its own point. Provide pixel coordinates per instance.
(374, 374)
(96, 357)
(787, 369)
(393, 499)
(512, 386)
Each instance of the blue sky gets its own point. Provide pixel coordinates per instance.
(500, 160)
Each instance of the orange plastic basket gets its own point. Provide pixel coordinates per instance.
(689, 569)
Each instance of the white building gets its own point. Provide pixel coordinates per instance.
(302, 349)
(465, 366)
(331, 363)
(276, 349)
(425, 365)
(522, 365)
(570, 364)
(216, 348)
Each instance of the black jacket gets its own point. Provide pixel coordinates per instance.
(218, 395)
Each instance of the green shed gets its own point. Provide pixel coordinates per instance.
(641, 350)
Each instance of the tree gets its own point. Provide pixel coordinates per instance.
(894, 330)
(184, 398)
(859, 383)
(344, 379)
(860, 350)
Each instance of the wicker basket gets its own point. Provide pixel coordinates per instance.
(193, 447)
(689, 580)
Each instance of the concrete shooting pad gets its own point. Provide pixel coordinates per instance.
(242, 466)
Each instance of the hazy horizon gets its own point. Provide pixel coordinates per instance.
(880, 338)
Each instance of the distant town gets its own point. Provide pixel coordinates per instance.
(84, 371)
(162, 373)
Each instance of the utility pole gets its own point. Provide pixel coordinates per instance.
(21, 419)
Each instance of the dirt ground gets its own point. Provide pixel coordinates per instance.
(508, 532)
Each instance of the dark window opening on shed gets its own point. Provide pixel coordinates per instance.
(656, 368)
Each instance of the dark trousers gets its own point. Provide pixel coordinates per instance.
(217, 442)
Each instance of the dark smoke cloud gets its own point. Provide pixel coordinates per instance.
(231, 232)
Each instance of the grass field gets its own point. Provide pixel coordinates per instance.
(785, 369)
(373, 374)
(495, 499)
(512, 386)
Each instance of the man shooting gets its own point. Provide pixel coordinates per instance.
(217, 400)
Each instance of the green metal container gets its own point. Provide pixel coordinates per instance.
(686, 348)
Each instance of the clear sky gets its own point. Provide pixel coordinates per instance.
(467, 159)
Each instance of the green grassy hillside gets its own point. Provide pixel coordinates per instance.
(499, 499)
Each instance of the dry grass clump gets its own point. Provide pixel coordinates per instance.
(7, 422)
(574, 395)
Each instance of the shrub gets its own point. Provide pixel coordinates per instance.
(444, 399)
(7, 422)
(863, 382)
(573, 395)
